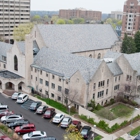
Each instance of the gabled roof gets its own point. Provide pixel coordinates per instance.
(65, 64)
(4, 48)
(112, 55)
(78, 38)
(114, 68)
(134, 61)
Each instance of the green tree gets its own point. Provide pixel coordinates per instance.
(20, 31)
(36, 18)
(69, 21)
(128, 45)
(78, 20)
(60, 21)
(54, 19)
(119, 23)
(137, 41)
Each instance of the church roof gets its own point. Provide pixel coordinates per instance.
(65, 64)
(4, 48)
(78, 38)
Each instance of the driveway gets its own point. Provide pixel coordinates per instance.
(40, 123)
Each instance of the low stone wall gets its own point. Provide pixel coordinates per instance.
(89, 114)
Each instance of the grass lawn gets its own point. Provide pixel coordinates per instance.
(54, 104)
(98, 137)
(135, 131)
(120, 138)
(121, 110)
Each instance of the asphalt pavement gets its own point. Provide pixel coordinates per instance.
(40, 123)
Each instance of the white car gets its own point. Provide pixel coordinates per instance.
(66, 122)
(58, 118)
(34, 135)
(15, 95)
(11, 118)
(22, 98)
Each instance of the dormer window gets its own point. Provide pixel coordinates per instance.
(4, 58)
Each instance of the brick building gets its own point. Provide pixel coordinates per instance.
(80, 13)
(131, 17)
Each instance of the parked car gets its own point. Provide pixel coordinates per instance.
(48, 138)
(18, 123)
(66, 122)
(34, 135)
(22, 98)
(50, 112)
(35, 105)
(15, 95)
(137, 137)
(6, 113)
(58, 118)
(41, 109)
(4, 138)
(85, 131)
(77, 124)
(3, 107)
(26, 128)
(11, 118)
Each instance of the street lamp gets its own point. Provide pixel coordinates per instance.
(94, 127)
(69, 109)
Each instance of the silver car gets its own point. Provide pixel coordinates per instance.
(15, 95)
(11, 118)
(66, 122)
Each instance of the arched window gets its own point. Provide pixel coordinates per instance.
(99, 56)
(90, 55)
(15, 63)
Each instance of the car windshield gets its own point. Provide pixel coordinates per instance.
(19, 98)
(30, 134)
(65, 121)
(33, 104)
(84, 131)
(47, 112)
(15, 94)
(56, 117)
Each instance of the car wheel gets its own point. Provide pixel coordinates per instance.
(27, 139)
(12, 127)
(4, 122)
(18, 133)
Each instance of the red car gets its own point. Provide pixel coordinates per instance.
(77, 124)
(50, 112)
(4, 138)
(6, 113)
(25, 128)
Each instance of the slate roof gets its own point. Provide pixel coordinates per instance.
(21, 46)
(114, 68)
(111, 54)
(134, 61)
(65, 64)
(78, 38)
(4, 48)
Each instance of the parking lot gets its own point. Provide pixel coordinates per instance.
(40, 123)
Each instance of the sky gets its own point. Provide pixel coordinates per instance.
(106, 6)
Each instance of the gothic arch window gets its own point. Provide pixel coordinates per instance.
(15, 63)
(99, 56)
(90, 55)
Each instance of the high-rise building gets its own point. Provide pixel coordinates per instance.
(131, 17)
(12, 13)
(116, 15)
(80, 13)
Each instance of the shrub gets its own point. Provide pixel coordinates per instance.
(73, 109)
(91, 120)
(124, 123)
(98, 107)
(102, 124)
(115, 127)
(112, 101)
(83, 117)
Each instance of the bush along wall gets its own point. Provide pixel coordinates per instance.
(104, 126)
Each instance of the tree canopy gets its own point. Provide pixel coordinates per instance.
(60, 21)
(20, 31)
(128, 45)
(137, 41)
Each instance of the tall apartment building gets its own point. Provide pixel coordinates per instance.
(12, 13)
(116, 15)
(131, 17)
(80, 13)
